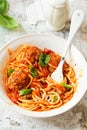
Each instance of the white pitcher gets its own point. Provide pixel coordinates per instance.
(56, 13)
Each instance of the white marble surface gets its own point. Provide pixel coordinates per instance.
(74, 119)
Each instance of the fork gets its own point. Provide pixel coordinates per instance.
(76, 21)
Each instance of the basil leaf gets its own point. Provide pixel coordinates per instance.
(43, 59)
(33, 71)
(25, 91)
(5, 20)
(9, 71)
(55, 98)
(47, 59)
(4, 6)
(66, 85)
(8, 22)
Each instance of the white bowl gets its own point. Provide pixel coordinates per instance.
(57, 44)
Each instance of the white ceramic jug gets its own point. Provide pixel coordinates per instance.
(56, 13)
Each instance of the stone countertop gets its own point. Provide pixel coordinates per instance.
(74, 119)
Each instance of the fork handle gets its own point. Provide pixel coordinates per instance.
(76, 21)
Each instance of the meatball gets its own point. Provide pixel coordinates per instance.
(19, 80)
(33, 53)
(54, 61)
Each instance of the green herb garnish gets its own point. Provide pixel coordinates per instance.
(9, 71)
(33, 71)
(6, 21)
(55, 98)
(66, 85)
(43, 59)
(25, 91)
(4, 6)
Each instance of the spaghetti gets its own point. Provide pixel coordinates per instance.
(28, 82)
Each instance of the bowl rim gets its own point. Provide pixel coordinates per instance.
(43, 114)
